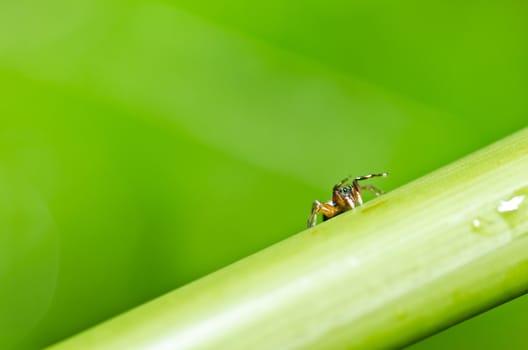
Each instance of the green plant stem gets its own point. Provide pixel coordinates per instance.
(402, 267)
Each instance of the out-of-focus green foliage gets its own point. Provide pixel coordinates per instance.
(140, 141)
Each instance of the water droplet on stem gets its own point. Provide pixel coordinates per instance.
(511, 204)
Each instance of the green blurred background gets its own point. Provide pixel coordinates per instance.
(144, 144)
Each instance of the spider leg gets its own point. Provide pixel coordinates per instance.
(356, 193)
(372, 189)
(357, 188)
(316, 208)
(342, 182)
(327, 209)
(369, 176)
(359, 178)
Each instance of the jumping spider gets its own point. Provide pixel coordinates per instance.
(344, 198)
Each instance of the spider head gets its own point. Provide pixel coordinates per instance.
(345, 191)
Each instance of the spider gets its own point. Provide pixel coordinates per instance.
(344, 198)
